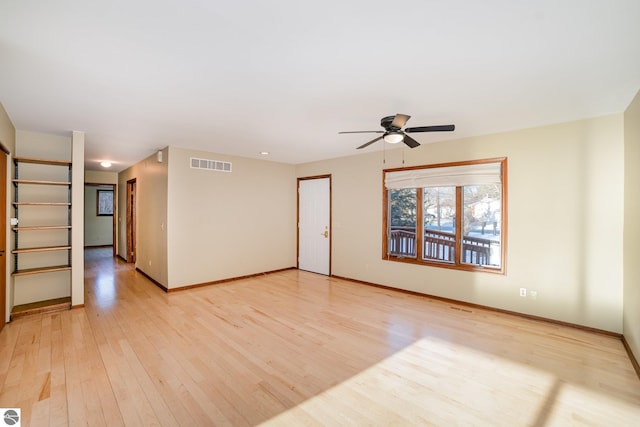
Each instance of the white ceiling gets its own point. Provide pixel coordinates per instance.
(286, 76)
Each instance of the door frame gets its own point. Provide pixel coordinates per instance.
(131, 220)
(307, 178)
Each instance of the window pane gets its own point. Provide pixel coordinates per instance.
(482, 225)
(402, 222)
(439, 213)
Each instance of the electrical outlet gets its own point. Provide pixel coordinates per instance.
(533, 294)
(523, 292)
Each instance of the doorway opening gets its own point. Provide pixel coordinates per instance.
(100, 213)
(131, 221)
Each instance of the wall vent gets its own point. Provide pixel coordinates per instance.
(212, 165)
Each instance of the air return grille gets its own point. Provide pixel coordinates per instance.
(212, 165)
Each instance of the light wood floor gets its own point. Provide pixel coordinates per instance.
(294, 348)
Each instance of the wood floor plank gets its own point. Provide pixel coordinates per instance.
(58, 415)
(294, 348)
(8, 344)
(73, 374)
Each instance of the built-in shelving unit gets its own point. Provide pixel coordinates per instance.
(24, 256)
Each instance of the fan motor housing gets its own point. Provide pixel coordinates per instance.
(386, 123)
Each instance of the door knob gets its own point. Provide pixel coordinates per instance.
(325, 234)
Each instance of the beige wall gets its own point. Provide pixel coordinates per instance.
(631, 315)
(8, 139)
(77, 219)
(565, 220)
(43, 145)
(100, 177)
(224, 225)
(7, 131)
(151, 216)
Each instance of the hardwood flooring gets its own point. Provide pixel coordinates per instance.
(294, 348)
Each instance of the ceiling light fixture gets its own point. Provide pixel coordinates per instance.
(393, 137)
(105, 164)
(264, 153)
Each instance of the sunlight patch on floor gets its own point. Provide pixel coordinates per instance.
(435, 382)
(105, 289)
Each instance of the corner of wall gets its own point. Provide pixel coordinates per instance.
(631, 270)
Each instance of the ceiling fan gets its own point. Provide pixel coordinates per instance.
(394, 134)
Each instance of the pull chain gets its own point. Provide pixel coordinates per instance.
(384, 152)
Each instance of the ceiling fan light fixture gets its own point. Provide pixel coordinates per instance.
(394, 133)
(393, 137)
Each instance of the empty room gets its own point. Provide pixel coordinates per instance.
(326, 214)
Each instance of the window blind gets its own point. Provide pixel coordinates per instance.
(475, 174)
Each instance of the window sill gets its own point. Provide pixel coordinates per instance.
(462, 267)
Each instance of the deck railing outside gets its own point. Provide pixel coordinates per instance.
(402, 241)
(440, 246)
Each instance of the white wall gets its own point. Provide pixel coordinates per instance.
(631, 315)
(565, 221)
(225, 225)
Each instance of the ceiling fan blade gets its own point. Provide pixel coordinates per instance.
(363, 131)
(370, 142)
(441, 128)
(412, 143)
(400, 120)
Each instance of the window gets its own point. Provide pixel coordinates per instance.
(450, 215)
(104, 203)
(402, 216)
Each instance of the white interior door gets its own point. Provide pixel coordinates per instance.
(314, 228)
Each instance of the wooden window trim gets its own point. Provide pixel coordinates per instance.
(457, 265)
